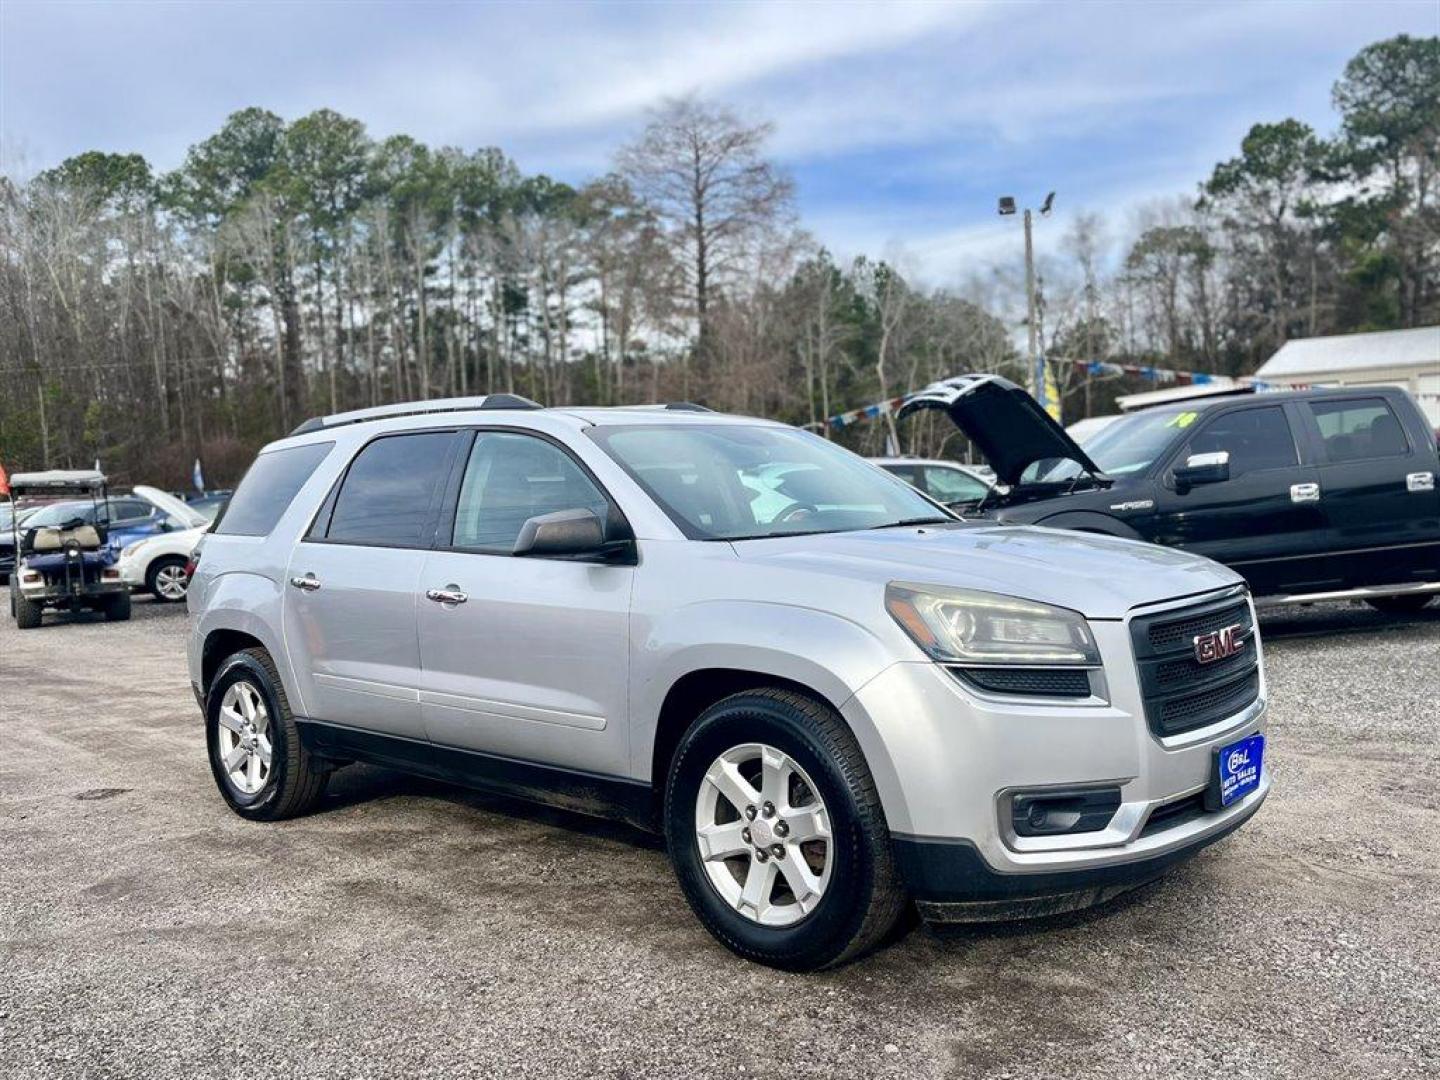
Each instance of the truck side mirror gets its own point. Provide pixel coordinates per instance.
(1212, 468)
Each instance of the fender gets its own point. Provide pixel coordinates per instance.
(1090, 521)
(827, 653)
(250, 603)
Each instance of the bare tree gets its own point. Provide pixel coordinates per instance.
(703, 172)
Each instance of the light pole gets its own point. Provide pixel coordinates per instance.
(1036, 377)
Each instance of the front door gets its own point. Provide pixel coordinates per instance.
(1266, 520)
(351, 585)
(523, 657)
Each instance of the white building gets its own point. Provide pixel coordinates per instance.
(1408, 358)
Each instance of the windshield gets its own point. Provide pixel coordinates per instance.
(744, 482)
(59, 514)
(1128, 445)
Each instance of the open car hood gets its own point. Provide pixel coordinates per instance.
(1005, 422)
(170, 504)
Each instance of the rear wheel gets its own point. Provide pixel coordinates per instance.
(259, 763)
(777, 835)
(1407, 604)
(166, 579)
(27, 613)
(117, 608)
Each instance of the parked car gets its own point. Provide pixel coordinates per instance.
(159, 564)
(1082, 431)
(944, 481)
(62, 558)
(1309, 494)
(829, 706)
(145, 511)
(210, 504)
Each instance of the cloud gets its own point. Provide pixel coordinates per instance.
(901, 121)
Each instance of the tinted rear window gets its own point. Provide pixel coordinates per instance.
(391, 489)
(269, 486)
(1359, 430)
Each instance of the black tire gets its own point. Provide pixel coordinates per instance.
(296, 780)
(1401, 605)
(117, 608)
(863, 899)
(153, 573)
(27, 613)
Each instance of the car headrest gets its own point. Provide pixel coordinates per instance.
(87, 537)
(46, 540)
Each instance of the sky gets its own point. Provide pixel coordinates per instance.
(901, 123)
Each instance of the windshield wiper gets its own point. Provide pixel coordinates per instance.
(912, 521)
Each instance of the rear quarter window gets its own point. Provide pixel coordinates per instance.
(270, 485)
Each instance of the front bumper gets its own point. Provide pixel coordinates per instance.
(947, 760)
(950, 880)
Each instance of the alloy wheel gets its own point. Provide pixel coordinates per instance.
(763, 834)
(171, 582)
(244, 737)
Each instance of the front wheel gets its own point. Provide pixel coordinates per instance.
(1406, 604)
(777, 835)
(167, 581)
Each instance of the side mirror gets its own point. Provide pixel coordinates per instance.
(1209, 468)
(565, 532)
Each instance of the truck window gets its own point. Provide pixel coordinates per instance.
(1359, 429)
(387, 495)
(269, 485)
(1256, 439)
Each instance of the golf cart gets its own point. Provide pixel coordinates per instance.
(67, 564)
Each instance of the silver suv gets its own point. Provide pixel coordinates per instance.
(832, 696)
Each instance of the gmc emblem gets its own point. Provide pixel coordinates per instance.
(1218, 644)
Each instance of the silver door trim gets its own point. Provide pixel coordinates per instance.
(1304, 493)
(366, 686)
(506, 710)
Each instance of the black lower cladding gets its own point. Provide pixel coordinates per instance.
(954, 872)
(1182, 692)
(592, 794)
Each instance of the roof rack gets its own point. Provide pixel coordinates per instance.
(686, 406)
(417, 408)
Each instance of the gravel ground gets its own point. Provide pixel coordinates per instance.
(412, 929)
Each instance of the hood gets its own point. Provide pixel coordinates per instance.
(1102, 577)
(1005, 422)
(170, 504)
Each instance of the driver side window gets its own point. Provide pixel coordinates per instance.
(511, 478)
(1255, 439)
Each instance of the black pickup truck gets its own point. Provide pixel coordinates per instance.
(1310, 494)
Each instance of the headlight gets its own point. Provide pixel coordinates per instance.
(962, 626)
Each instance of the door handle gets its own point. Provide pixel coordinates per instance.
(451, 594)
(1303, 493)
(308, 583)
(1420, 481)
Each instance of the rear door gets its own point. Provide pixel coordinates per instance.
(1379, 490)
(1266, 520)
(352, 581)
(533, 662)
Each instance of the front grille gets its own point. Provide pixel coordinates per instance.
(1031, 682)
(1180, 693)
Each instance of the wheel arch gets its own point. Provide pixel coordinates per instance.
(696, 691)
(1090, 521)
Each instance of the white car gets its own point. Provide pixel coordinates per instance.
(946, 482)
(158, 563)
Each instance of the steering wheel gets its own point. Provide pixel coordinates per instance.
(790, 513)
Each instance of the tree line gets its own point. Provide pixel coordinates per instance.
(287, 269)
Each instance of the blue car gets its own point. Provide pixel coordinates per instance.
(146, 511)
